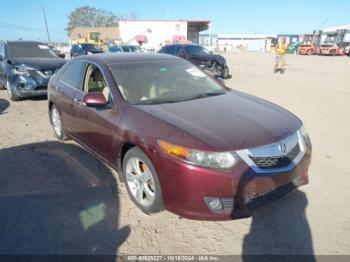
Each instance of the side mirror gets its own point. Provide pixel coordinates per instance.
(95, 100)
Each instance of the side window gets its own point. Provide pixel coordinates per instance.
(125, 49)
(171, 50)
(73, 75)
(95, 82)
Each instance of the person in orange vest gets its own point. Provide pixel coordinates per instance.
(280, 51)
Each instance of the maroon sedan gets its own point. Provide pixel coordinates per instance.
(179, 139)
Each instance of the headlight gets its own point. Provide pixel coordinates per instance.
(89, 53)
(305, 135)
(220, 160)
(20, 71)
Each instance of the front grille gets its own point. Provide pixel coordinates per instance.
(276, 161)
(252, 203)
(39, 88)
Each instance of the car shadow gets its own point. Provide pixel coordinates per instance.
(56, 198)
(36, 98)
(279, 230)
(4, 104)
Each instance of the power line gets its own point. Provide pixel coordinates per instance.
(47, 28)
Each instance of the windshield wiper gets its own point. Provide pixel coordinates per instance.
(208, 94)
(154, 102)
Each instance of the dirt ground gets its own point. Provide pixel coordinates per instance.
(56, 198)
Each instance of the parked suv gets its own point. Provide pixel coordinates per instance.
(214, 65)
(26, 67)
(84, 49)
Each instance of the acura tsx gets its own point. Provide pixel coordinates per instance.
(179, 139)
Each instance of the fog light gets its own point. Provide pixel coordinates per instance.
(214, 204)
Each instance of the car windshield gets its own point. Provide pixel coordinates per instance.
(134, 48)
(29, 50)
(196, 50)
(125, 48)
(88, 46)
(163, 81)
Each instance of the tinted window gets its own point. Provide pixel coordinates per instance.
(75, 48)
(29, 50)
(125, 49)
(114, 49)
(169, 50)
(73, 74)
(196, 49)
(88, 46)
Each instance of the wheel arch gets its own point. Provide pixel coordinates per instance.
(49, 110)
(124, 148)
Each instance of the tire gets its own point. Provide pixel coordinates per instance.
(142, 181)
(2, 84)
(225, 73)
(55, 119)
(10, 92)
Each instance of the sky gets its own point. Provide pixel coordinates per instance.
(24, 19)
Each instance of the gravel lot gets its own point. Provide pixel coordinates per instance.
(56, 198)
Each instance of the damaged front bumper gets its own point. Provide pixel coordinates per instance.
(217, 71)
(29, 85)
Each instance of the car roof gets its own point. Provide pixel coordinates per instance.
(25, 42)
(181, 45)
(108, 58)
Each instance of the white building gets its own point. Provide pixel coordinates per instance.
(245, 42)
(156, 33)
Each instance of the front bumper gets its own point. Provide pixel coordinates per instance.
(217, 71)
(28, 86)
(307, 51)
(242, 190)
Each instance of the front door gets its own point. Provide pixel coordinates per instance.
(95, 127)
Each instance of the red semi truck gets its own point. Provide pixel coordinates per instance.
(310, 43)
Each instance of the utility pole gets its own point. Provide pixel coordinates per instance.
(47, 29)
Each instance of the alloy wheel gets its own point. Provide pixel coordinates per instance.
(140, 181)
(56, 121)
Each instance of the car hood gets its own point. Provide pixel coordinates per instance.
(38, 63)
(232, 121)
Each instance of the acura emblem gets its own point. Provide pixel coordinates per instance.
(283, 148)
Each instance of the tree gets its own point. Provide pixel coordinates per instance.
(86, 16)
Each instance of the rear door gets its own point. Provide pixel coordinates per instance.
(69, 85)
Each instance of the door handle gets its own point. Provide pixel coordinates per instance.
(77, 101)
